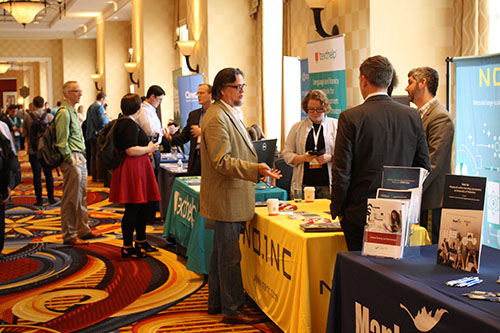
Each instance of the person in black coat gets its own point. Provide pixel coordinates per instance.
(192, 130)
(380, 132)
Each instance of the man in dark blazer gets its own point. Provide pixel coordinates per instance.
(227, 194)
(439, 130)
(192, 130)
(377, 133)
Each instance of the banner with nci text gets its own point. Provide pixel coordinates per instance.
(326, 58)
(477, 132)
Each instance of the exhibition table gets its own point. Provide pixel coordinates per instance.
(168, 172)
(183, 220)
(288, 272)
(410, 295)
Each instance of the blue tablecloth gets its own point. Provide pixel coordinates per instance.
(375, 291)
(185, 223)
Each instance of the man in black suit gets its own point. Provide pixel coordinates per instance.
(376, 133)
(192, 130)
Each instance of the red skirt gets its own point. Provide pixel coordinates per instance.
(134, 181)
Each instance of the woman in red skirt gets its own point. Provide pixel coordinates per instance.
(133, 182)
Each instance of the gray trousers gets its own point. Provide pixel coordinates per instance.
(74, 215)
(225, 285)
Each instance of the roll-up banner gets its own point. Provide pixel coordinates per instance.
(304, 84)
(327, 71)
(188, 100)
(477, 132)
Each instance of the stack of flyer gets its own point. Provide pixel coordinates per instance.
(404, 183)
(459, 243)
(390, 215)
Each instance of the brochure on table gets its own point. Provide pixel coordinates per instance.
(386, 229)
(404, 178)
(459, 243)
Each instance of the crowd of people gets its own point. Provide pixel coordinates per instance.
(342, 159)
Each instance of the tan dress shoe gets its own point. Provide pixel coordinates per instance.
(76, 241)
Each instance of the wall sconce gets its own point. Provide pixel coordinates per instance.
(130, 67)
(186, 48)
(4, 67)
(317, 6)
(96, 78)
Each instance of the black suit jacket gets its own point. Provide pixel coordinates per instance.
(184, 136)
(376, 133)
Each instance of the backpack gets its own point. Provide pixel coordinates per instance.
(48, 154)
(107, 154)
(36, 129)
(6, 156)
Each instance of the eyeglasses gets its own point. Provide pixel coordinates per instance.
(317, 110)
(75, 91)
(238, 86)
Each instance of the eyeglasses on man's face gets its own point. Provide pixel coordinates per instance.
(317, 110)
(238, 86)
(75, 91)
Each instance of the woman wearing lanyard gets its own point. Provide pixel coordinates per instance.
(310, 144)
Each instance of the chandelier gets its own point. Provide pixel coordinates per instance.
(25, 11)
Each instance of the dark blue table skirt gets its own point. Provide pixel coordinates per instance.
(372, 294)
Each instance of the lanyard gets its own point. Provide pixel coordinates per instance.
(316, 137)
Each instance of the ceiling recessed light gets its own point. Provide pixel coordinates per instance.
(116, 17)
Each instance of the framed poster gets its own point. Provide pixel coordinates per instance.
(8, 98)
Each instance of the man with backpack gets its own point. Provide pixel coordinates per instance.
(69, 141)
(34, 124)
(96, 120)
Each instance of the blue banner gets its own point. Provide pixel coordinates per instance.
(477, 133)
(188, 100)
(187, 87)
(304, 84)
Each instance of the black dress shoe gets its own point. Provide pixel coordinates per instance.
(145, 246)
(39, 203)
(213, 310)
(244, 317)
(52, 201)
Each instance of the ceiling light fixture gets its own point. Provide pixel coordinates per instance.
(186, 48)
(317, 6)
(25, 11)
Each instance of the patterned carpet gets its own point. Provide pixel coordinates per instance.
(46, 286)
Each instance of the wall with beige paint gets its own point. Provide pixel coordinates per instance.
(420, 33)
(18, 49)
(197, 23)
(116, 44)
(159, 54)
(410, 34)
(233, 42)
(352, 18)
(79, 62)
